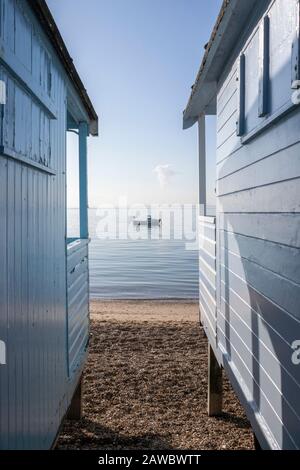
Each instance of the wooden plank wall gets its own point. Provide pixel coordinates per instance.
(258, 235)
(207, 276)
(78, 302)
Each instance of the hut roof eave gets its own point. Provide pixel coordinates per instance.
(230, 22)
(45, 17)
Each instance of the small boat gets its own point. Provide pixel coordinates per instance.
(150, 222)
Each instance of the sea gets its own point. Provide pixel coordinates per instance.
(128, 261)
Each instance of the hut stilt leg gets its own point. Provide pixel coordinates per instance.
(256, 443)
(75, 410)
(215, 389)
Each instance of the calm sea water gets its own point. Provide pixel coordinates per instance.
(151, 267)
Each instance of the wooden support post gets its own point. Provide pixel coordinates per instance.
(202, 164)
(256, 443)
(75, 410)
(215, 389)
(83, 185)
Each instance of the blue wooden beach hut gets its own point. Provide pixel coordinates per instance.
(44, 315)
(249, 252)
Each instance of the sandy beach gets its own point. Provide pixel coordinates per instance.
(146, 382)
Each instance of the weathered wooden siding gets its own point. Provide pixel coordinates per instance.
(35, 389)
(258, 235)
(78, 302)
(207, 278)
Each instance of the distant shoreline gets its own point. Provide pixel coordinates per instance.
(134, 300)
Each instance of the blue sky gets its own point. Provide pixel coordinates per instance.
(138, 60)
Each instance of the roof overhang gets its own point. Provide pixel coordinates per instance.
(231, 22)
(46, 19)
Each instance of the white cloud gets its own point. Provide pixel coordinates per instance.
(164, 174)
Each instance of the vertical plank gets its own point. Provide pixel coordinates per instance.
(202, 164)
(23, 36)
(40, 303)
(47, 323)
(42, 309)
(1, 19)
(49, 289)
(9, 24)
(241, 96)
(45, 327)
(17, 331)
(295, 72)
(11, 344)
(30, 299)
(4, 396)
(24, 306)
(9, 123)
(264, 67)
(34, 317)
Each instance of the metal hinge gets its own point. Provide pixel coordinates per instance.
(296, 93)
(2, 92)
(296, 84)
(2, 353)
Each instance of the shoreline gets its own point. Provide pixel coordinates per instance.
(159, 311)
(162, 300)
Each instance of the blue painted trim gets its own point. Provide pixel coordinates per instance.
(269, 121)
(264, 79)
(241, 96)
(74, 244)
(7, 152)
(2, 114)
(67, 306)
(296, 50)
(83, 183)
